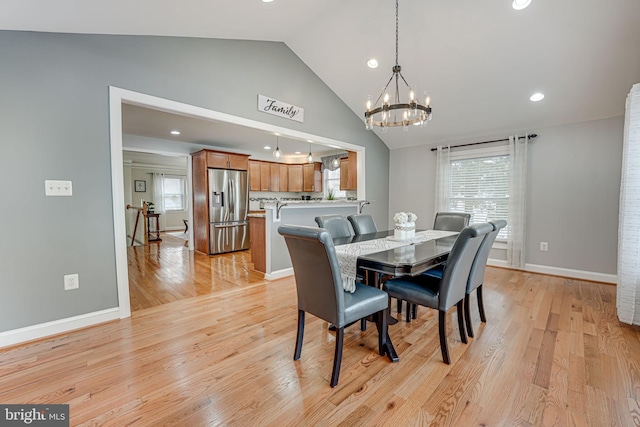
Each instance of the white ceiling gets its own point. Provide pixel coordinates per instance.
(480, 60)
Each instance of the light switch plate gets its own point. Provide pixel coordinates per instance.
(57, 188)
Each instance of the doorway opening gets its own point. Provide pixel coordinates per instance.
(118, 97)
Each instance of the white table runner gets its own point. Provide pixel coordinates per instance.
(348, 254)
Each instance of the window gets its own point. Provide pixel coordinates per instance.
(174, 193)
(479, 185)
(332, 181)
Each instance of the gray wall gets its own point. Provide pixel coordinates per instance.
(54, 109)
(573, 191)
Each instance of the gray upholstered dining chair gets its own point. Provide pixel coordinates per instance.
(443, 294)
(451, 221)
(336, 225)
(321, 293)
(362, 224)
(446, 221)
(476, 276)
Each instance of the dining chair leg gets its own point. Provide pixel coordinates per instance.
(467, 314)
(382, 324)
(483, 317)
(414, 311)
(399, 306)
(337, 358)
(363, 324)
(442, 326)
(300, 336)
(409, 312)
(463, 334)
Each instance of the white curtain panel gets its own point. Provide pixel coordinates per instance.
(158, 198)
(518, 149)
(443, 179)
(628, 297)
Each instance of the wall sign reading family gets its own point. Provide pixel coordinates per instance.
(279, 108)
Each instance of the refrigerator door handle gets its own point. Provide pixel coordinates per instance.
(232, 201)
(228, 225)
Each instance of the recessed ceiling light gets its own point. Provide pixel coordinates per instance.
(175, 132)
(266, 147)
(520, 4)
(538, 96)
(372, 63)
(267, 1)
(297, 152)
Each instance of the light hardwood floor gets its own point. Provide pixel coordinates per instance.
(551, 353)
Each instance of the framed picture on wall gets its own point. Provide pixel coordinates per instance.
(141, 186)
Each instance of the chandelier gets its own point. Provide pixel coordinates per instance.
(396, 114)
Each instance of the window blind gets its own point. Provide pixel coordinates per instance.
(479, 186)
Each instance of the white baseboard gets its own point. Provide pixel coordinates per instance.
(557, 271)
(174, 228)
(279, 274)
(30, 333)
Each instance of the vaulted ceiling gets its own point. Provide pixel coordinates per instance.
(479, 60)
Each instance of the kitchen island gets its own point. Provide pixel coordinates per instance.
(297, 212)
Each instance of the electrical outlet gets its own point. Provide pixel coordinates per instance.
(71, 281)
(544, 246)
(57, 188)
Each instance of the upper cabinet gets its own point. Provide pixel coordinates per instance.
(254, 175)
(312, 177)
(349, 172)
(265, 176)
(221, 160)
(282, 177)
(295, 178)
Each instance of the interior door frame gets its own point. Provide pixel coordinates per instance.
(118, 96)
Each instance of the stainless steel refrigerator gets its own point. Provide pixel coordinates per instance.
(228, 208)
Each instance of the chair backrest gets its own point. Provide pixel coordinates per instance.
(317, 272)
(451, 221)
(362, 224)
(336, 225)
(453, 285)
(476, 276)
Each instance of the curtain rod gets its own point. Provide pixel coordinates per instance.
(533, 135)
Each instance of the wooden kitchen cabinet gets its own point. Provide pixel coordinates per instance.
(265, 176)
(254, 175)
(280, 177)
(349, 172)
(258, 243)
(312, 177)
(295, 178)
(274, 184)
(221, 160)
(284, 178)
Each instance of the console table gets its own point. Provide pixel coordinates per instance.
(153, 236)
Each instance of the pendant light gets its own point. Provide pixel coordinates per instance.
(392, 112)
(277, 153)
(336, 161)
(309, 157)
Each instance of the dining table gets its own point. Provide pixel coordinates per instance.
(370, 257)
